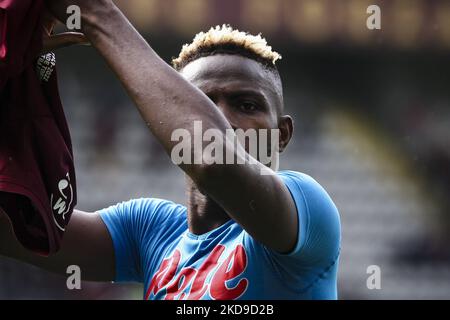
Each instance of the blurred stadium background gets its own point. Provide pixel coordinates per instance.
(372, 113)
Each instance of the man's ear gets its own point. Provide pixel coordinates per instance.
(286, 127)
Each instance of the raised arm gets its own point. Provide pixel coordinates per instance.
(260, 203)
(86, 244)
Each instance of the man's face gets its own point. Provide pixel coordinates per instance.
(248, 95)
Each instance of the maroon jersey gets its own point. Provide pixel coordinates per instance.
(37, 177)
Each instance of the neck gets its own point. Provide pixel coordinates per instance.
(204, 214)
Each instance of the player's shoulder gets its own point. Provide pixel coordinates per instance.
(150, 204)
(307, 192)
(294, 174)
(318, 218)
(148, 209)
(299, 178)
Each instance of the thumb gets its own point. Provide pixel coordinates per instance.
(62, 40)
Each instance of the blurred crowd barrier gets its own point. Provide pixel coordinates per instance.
(405, 23)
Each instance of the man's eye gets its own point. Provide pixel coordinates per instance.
(248, 106)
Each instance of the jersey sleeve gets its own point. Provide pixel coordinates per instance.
(133, 226)
(319, 226)
(318, 241)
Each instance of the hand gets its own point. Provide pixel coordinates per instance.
(58, 8)
(53, 42)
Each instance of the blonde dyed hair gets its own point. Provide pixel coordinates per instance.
(226, 40)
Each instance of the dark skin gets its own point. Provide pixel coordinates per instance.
(250, 97)
(222, 91)
(56, 41)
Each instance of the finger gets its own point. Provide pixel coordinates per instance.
(58, 8)
(49, 23)
(64, 40)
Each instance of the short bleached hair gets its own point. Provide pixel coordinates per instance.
(226, 40)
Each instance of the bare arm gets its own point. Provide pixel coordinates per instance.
(86, 243)
(166, 101)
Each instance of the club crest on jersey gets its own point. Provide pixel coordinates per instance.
(211, 277)
(61, 203)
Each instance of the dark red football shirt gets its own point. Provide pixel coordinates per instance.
(37, 176)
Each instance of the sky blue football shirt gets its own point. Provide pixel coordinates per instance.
(153, 245)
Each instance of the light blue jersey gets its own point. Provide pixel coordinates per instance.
(153, 245)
